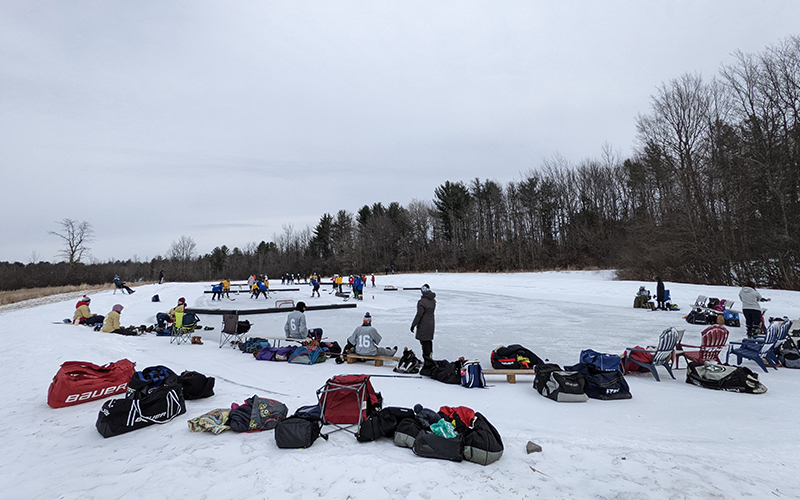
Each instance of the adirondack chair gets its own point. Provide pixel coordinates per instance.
(662, 355)
(700, 302)
(761, 348)
(713, 341)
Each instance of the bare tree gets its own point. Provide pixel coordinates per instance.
(76, 235)
(34, 257)
(183, 249)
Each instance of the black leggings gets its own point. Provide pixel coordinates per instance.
(427, 348)
(752, 319)
(124, 331)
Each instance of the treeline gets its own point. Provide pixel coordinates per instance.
(711, 195)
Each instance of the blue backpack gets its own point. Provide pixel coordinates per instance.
(190, 319)
(472, 375)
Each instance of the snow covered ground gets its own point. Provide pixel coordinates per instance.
(672, 440)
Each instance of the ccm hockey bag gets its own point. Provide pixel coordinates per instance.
(559, 385)
(724, 378)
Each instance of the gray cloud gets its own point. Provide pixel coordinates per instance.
(144, 119)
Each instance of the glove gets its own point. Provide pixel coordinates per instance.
(412, 329)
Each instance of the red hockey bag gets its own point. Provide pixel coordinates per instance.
(80, 381)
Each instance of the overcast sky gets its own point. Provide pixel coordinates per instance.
(226, 121)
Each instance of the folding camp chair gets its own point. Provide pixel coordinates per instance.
(181, 333)
(347, 400)
(233, 332)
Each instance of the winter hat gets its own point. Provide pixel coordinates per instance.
(181, 300)
(301, 306)
(367, 318)
(426, 288)
(86, 298)
(117, 308)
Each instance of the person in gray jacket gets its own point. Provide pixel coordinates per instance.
(424, 321)
(366, 338)
(750, 308)
(295, 327)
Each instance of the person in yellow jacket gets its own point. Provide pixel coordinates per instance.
(83, 316)
(226, 288)
(112, 325)
(163, 318)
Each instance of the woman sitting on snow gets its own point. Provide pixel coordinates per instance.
(82, 314)
(111, 324)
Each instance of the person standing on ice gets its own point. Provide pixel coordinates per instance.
(750, 308)
(315, 285)
(660, 300)
(424, 321)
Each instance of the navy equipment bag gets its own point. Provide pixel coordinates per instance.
(472, 375)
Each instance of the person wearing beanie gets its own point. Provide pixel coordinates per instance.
(366, 338)
(82, 314)
(295, 327)
(163, 318)
(424, 320)
(112, 324)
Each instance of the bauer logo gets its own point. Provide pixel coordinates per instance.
(99, 393)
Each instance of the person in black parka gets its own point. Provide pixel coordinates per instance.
(424, 320)
(660, 294)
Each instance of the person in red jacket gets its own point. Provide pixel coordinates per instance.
(82, 314)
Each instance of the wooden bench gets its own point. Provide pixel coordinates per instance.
(511, 375)
(353, 357)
